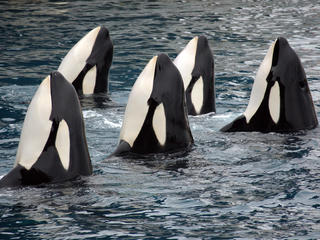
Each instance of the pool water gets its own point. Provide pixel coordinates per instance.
(228, 186)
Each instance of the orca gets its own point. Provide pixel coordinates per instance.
(280, 99)
(52, 145)
(156, 119)
(196, 65)
(87, 64)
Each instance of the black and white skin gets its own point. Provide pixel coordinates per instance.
(156, 117)
(196, 65)
(53, 146)
(87, 64)
(280, 98)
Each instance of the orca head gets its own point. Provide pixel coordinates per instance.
(280, 99)
(155, 117)
(196, 65)
(87, 64)
(52, 145)
(66, 112)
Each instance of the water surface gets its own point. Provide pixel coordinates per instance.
(229, 186)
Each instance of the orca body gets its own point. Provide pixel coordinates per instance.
(280, 99)
(196, 65)
(52, 145)
(156, 117)
(87, 64)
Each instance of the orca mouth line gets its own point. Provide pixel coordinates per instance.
(77, 83)
(152, 107)
(153, 103)
(53, 134)
(270, 79)
(193, 81)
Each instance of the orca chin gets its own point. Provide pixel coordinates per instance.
(87, 64)
(155, 118)
(52, 145)
(196, 65)
(280, 98)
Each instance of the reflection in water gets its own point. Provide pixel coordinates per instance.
(97, 100)
(240, 185)
(295, 147)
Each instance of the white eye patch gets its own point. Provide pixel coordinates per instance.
(274, 102)
(159, 124)
(63, 144)
(197, 95)
(89, 81)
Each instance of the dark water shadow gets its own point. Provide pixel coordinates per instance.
(171, 161)
(97, 100)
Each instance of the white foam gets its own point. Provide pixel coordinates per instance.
(112, 124)
(90, 114)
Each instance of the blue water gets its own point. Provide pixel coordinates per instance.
(229, 186)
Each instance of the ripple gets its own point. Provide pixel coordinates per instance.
(240, 186)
